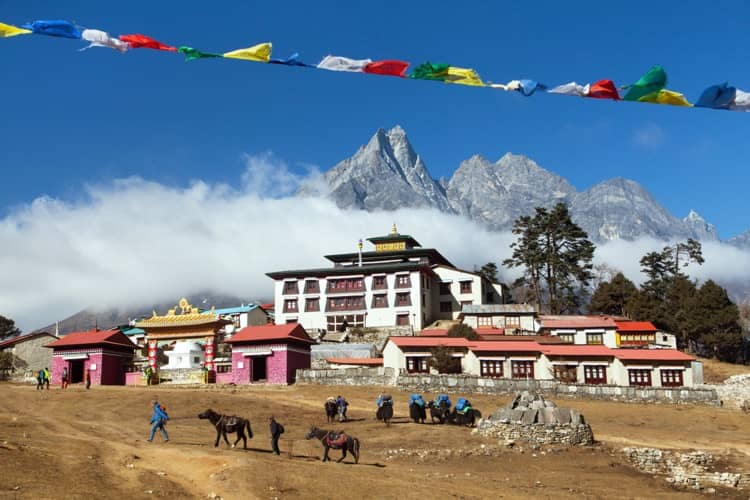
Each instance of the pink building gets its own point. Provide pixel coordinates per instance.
(106, 354)
(270, 354)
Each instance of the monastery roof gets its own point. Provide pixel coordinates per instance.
(498, 309)
(651, 355)
(433, 255)
(635, 326)
(429, 341)
(572, 321)
(23, 338)
(264, 333)
(350, 270)
(93, 338)
(356, 361)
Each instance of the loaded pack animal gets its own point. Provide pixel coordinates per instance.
(385, 409)
(228, 424)
(438, 412)
(468, 417)
(337, 441)
(332, 409)
(417, 410)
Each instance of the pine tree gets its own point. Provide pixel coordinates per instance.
(463, 330)
(8, 328)
(489, 272)
(712, 321)
(611, 297)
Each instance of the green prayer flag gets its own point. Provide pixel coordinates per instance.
(653, 81)
(429, 71)
(191, 53)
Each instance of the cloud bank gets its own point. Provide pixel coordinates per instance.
(133, 242)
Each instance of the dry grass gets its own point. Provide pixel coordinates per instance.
(716, 372)
(79, 444)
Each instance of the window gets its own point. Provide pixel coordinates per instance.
(223, 368)
(491, 368)
(446, 307)
(339, 323)
(379, 283)
(594, 338)
(484, 321)
(356, 303)
(379, 301)
(312, 286)
(671, 378)
(640, 377)
(466, 287)
(565, 373)
(403, 299)
(346, 285)
(636, 339)
(466, 303)
(594, 374)
(522, 369)
(290, 288)
(445, 288)
(416, 364)
(402, 320)
(290, 305)
(567, 338)
(403, 281)
(312, 305)
(513, 322)
(291, 321)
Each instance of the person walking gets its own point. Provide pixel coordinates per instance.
(276, 431)
(88, 379)
(46, 377)
(64, 382)
(158, 420)
(40, 380)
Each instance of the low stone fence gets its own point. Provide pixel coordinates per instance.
(472, 384)
(349, 376)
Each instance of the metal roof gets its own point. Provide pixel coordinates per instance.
(234, 310)
(498, 309)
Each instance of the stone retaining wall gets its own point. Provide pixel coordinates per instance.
(472, 384)
(567, 435)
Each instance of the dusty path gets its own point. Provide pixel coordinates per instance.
(79, 444)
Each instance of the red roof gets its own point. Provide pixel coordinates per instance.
(289, 332)
(574, 322)
(652, 355)
(430, 341)
(22, 338)
(356, 361)
(434, 332)
(94, 338)
(490, 331)
(266, 307)
(578, 350)
(635, 326)
(493, 346)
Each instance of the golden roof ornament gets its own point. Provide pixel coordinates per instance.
(393, 229)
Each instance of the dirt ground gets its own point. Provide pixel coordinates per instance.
(92, 444)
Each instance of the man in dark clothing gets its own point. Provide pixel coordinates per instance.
(276, 431)
(64, 380)
(40, 380)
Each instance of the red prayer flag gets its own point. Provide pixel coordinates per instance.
(390, 68)
(138, 41)
(603, 89)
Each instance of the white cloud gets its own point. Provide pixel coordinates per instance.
(649, 136)
(133, 242)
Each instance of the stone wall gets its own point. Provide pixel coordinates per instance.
(349, 376)
(562, 434)
(472, 384)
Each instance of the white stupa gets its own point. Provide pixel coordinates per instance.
(186, 354)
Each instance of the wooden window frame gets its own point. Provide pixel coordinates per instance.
(403, 281)
(399, 303)
(288, 303)
(309, 302)
(444, 309)
(290, 288)
(672, 378)
(565, 336)
(560, 372)
(640, 377)
(465, 286)
(522, 369)
(417, 364)
(379, 286)
(312, 286)
(404, 315)
(492, 368)
(382, 305)
(485, 321)
(590, 335)
(594, 374)
(445, 288)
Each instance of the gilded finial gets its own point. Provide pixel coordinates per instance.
(393, 229)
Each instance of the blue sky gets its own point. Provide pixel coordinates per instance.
(89, 117)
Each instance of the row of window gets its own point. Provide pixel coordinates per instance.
(356, 303)
(510, 321)
(637, 338)
(592, 374)
(345, 285)
(464, 287)
(591, 338)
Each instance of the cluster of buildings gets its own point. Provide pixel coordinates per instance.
(398, 288)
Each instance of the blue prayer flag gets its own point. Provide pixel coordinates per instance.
(717, 97)
(59, 28)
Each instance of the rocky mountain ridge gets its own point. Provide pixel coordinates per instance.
(387, 173)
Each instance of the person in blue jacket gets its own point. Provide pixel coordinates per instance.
(158, 419)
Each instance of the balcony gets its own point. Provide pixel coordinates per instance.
(330, 290)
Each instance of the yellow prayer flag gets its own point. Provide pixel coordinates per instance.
(665, 96)
(463, 76)
(7, 30)
(259, 53)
